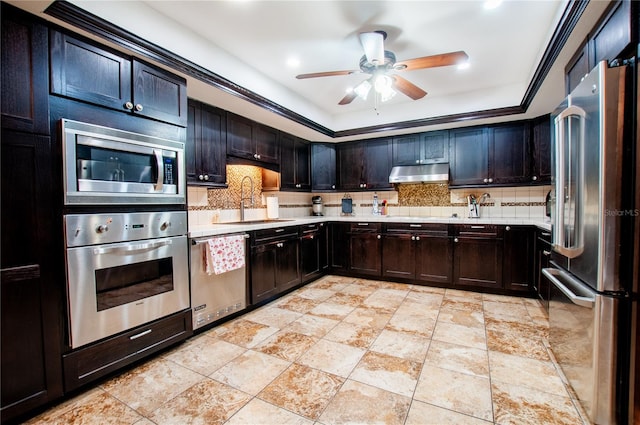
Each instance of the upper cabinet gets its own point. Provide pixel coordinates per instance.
(364, 165)
(323, 167)
(294, 163)
(206, 146)
(541, 149)
(119, 82)
(250, 140)
(423, 148)
(509, 156)
(469, 156)
(25, 62)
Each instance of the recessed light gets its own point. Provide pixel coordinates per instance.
(293, 62)
(492, 4)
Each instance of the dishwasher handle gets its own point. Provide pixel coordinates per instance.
(586, 297)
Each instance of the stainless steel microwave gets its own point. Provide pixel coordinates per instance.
(109, 166)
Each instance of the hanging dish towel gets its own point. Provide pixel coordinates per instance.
(223, 254)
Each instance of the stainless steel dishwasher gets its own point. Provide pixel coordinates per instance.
(217, 295)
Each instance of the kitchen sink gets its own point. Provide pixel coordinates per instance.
(263, 221)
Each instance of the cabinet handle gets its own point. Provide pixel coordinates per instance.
(546, 234)
(507, 228)
(128, 105)
(379, 237)
(141, 334)
(413, 238)
(279, 230)
(456, 240)
(333, 186)
(477, 227)
(546, 253)
(200, 177)
(259, 156)
(206, 177)
(490, 180)
(417, 161)
(363, 224)
(486, 180)
(279, 244)
(415, 225)
(534, 178)
(139, 107)
(417, 238)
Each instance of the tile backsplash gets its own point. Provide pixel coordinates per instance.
(427, 200)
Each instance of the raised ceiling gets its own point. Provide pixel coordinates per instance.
(249, 43)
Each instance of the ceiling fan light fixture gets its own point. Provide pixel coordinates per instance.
(383, 86)
(362, 89)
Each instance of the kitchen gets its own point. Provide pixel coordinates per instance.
(506, 225)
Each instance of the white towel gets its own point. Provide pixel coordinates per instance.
(223, 254)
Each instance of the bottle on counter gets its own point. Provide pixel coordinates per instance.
(376, 211)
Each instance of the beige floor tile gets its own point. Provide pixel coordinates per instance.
(331, 310)
(428, 414)
(503, 299)
(296, 303)
(519, 405)
(414, 325)
(273, 316)
(472, 361)
(506, 308)
(428, 289)
(426, 299)
(472, 318)
(331, 283)
(526, 372)
(206, 403)
(250, 372)
(401, 345)
(245, 333)
(457, 391)
(466, 295)
(315, 294)
(286, 345)
(152, 384)
(464, 304)
(332, 357)
(385, 299)
(461, 335)
(358, 289)
(302, 390)
(258, 411)
(359, 336)
(205, 356)
(514, 343)
(352, 300)
(417, 309)
(368, 316)
(388, 373)
(311, 325)
(374, 406)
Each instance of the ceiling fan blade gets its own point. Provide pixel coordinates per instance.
(444, 59)
(373, 45)
(325, 74)
(408, 88)
(348, 98)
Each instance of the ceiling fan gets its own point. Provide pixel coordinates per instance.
(379, 63)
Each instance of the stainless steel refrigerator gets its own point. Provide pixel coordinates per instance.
(592, 214)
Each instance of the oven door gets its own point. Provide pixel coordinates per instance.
(115, 287)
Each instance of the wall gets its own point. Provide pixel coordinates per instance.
(207, 206)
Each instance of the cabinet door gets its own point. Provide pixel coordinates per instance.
(434, 147)
(350, 166)
(518, 258)
(541, 150)
(543, 255)
(159, 94)
(303, 174)
(323, 167)
(288, 165)
(477, 262)
(339, 246)
(365, 254)
(287, 264)
(310, 256)
(468, 157)
(31, 296)
(378, 163)
(263, 272)
(398, 256)
(323, 247)
(240, 136)
(509, 161)
(206, 148)
(406, 150)
(266, 143)
(614, 35)
(25, 70)
(576, 69)
(434, 259)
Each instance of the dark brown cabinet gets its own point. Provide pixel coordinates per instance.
(509, 154)
(543, 255)
(518, 258)
(253, 141)
(541, 150)
(421, 148)
(275, 262)
(206, 146)
(313, 251)
(294, 165)
(418, 252)
(365, 243)
(323, 167)
(118, 82)
(339, 248)
(364, 165)
(477, 257)
(469, 157)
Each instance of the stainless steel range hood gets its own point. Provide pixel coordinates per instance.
(425, 173)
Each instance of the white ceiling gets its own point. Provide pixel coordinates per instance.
(249, 43)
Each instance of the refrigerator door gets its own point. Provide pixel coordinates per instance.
(583, 337)
(587, 178)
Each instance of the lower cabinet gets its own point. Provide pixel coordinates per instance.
(275, 262)
(477, 257)
(542, 257)
(365, 241)
(339, 248)
(313, 251)
(518, 258)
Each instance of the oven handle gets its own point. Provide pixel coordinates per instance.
(159, 183)
(131, 247)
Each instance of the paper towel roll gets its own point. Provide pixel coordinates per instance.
(272, 207)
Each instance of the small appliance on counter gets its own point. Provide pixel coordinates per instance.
(317, 205)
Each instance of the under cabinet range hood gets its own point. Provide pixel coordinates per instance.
(424, 173)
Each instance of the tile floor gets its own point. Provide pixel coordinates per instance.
(345, 350)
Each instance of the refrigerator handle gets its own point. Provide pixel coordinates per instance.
(569, 286)
(559, 224)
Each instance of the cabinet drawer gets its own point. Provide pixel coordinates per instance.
(95, 361)
(268, 235)
(478, 231)
(365, 227)
(432, 229)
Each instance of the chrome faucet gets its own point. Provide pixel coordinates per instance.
(242, 197)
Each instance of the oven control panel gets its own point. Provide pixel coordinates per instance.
(95, 229)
